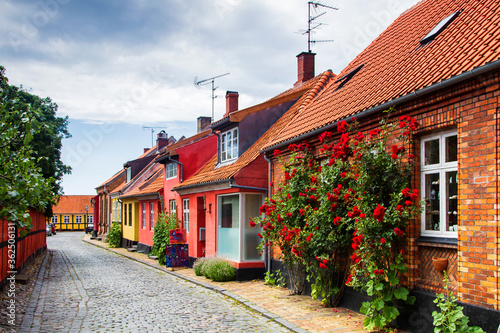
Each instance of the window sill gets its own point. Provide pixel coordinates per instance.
(443, 242)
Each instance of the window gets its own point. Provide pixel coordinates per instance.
(171, 170)
(128, 174)
(173, 207)
(67, 219)
(130, 214)
(151, 215)
(53, 219)
(90, 219)
(439, 28)
(78, 219)
(229, 145)
(143, 215)
(185, 213)
(439, 184)
(125, 214)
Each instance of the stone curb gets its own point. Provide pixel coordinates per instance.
(290, 326)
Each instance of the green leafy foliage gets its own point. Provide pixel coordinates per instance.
(115, 234)
(161, 239)
(30, 143)
(451, 318)
(274, 279)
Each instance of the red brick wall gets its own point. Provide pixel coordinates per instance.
(472, 108)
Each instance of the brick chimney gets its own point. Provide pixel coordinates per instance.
(305, 67)
(231, 102)
(161, 140)
(203, 122)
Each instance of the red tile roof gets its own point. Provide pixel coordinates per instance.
(396, 64)
(210, 173)
(73, 204)
(112, 179)
(146, 182)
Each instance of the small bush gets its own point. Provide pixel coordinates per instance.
(198, 266)
(218, 270)
(115, 234)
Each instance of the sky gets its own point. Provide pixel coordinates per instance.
(122, 70)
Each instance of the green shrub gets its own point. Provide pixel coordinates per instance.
(115, 234)
(198, 266)
(161, 239)
(217, 269)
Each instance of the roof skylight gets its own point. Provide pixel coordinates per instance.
(346, 78)
(439, 28)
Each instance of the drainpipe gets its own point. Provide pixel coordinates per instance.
(269, 172)
(218, 145)
(182, 167)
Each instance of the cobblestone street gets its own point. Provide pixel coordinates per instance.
(83, 288)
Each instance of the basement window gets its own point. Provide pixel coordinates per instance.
(439, 28)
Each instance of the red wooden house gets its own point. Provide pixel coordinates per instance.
(181, 160)
(439, 63)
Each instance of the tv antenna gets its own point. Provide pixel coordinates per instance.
(206, 82)
(152, 128)
(311, 25)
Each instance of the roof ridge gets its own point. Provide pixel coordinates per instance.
(313, 92)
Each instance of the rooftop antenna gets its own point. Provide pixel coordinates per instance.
(144, 127)
(209, 81)
(311, 25)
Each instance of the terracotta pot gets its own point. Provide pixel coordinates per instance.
(440, 264)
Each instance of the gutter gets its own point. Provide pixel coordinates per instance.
(199, 185)
(406, 98)
(232, 185)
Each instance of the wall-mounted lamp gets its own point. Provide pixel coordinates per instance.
(204, 203)
(210, 208)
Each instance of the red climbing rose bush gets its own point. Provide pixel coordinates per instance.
(342, 216)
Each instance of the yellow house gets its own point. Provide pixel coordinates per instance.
(73, 212)
(130, 225)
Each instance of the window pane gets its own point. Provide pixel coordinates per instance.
(451, 148)
(228, 233)
(432, 205)
(250, 234)
(452, 200)
(432, 152)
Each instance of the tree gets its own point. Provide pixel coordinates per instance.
(30, 151)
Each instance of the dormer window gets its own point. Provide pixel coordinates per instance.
(229, 145)
(171, 170)
(128, 174)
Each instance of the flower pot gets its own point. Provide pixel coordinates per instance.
(440, 264)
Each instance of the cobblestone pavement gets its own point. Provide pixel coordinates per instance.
(83, 288)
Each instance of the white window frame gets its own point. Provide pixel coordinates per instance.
(53, 219)
(172, 207)
(171, 170)
(78, 219)
(185, 214)
(231, 137)
(90, 219)
(67, 219)
(128, 174)
(151, 216)
(143, 226)
(440, 168)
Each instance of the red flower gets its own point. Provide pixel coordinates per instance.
(374, 132)
(277, 152)
(337, 220)
(343, 174)
(322, 266)
(252, 224)
(398, 232)
(394, 156)
(309, 237)
(379, 213)
(349, 279)
(260, 236)
(342, 126)
(382, 241)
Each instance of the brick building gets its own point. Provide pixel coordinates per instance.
(439, 63)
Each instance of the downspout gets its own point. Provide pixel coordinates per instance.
(182, 167)
(269, 172)
(217, 134)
